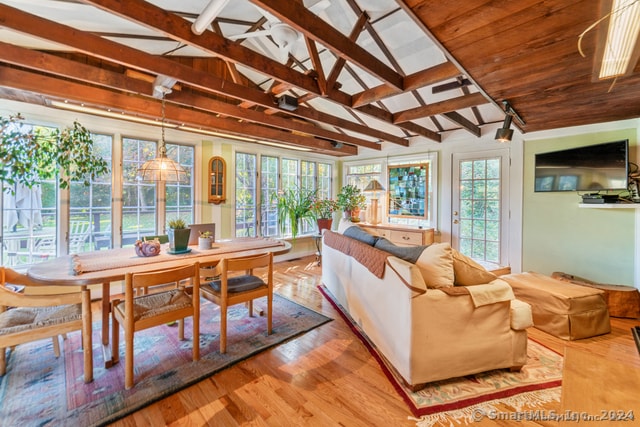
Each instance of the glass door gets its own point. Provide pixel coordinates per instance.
(479, 209)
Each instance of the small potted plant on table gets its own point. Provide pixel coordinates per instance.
(205, 240)
(178, 236)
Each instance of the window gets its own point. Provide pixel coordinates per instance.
(29, 221)
(274, 174)
(246, 195)
(90, 206)
(180, 195)
(141, 201)
(361, 173)
(268, 190)
(138, 198)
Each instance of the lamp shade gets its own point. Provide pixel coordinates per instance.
(374, 185)
(504, 135)
(162, 168)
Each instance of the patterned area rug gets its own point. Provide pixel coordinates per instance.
(40, 390)
(471, 398)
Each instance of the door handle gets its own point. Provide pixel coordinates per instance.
(455, 221)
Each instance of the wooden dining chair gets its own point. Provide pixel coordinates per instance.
(175, 302)
(232, 288)
(25, 318)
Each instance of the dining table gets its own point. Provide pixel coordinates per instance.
(107, 267)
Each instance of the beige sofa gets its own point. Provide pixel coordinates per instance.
(427, 334)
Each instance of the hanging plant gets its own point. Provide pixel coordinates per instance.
(30, 156)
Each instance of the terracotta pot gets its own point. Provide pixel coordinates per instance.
(324, 223)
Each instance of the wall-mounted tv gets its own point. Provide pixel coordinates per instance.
(590, 168)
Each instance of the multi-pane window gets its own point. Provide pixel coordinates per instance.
(268, 192)
(275, 174)
(480, 209)
(246, 202)
(29, 220)
(179, 197)
(140, 200)
(139, 203)
(90, 206)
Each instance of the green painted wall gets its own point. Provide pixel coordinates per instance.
(597, 244)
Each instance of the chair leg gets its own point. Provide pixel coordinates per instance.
(87, 339)
(269, 313)
(56, 345)
(128, 355)
(223, 328)
(250, 307)
(3, 361)
(115, 336)
(181, 329)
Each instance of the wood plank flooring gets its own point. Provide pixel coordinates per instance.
(327, 377)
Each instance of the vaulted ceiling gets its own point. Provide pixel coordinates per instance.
(366, 74)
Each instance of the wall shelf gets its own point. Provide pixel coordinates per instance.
(610, 205)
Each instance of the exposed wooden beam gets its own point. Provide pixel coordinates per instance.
(339, 64)
(317, 65)
(458, 118)
(170, 24)
(96, 76)
(129, 57)
(432, 75)
(150, 107)
(447, 106)
(306, 22)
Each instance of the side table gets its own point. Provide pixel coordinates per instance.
(317, 239)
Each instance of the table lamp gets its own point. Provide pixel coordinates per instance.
(373, 187)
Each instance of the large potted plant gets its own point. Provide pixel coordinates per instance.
(322, 210)
(351, 200)
(30, 156)
(178, 236)
(294, 207)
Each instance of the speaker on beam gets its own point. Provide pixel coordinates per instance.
(287, 102)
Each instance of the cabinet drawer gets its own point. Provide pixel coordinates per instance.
(405, 237)
(380, 232)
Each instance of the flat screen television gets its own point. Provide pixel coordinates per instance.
(590, 168)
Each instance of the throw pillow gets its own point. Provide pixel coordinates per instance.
(344, 224)
(467, 272)
(436, 265)
(407, 253)
(358, 233)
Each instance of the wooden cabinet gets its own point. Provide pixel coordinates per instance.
(399, 235)
(217, 175)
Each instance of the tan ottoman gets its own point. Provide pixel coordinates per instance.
(564, 310)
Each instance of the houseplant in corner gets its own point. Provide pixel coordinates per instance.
(294, 207)
(322, 210)
(351, 200)
(178, 236)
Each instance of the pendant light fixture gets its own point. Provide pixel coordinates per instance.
(162, 168)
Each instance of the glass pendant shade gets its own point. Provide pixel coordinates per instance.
(162, 168)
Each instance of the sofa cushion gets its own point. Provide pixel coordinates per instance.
(344, 224)
(436, 264)
(359, 234)
(407, 253)
(467, 272)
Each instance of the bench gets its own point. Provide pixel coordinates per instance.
(562, 309)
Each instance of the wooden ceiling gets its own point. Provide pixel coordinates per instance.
(367, 74)
(526, 52)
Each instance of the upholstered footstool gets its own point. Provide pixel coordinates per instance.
(562, 309)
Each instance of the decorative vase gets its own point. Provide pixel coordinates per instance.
(178, 239)
(355, 215)
(204, 242)
(147, 248)
(324, 223)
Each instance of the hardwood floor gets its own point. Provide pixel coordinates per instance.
(327, 377)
